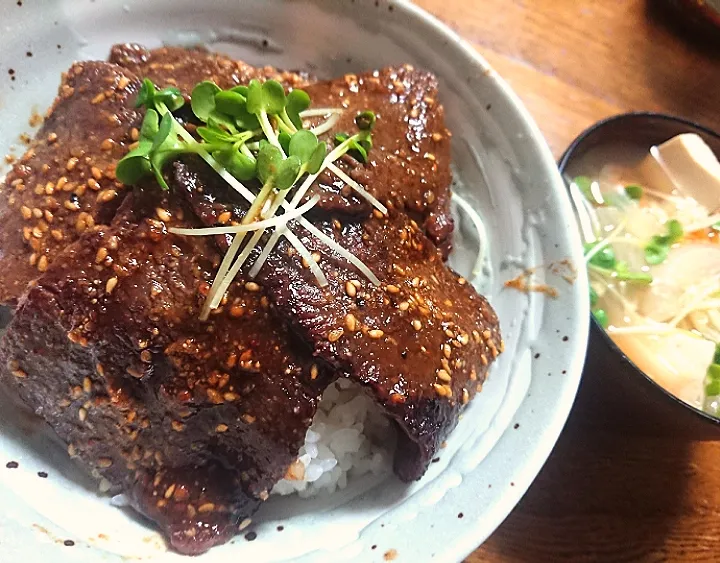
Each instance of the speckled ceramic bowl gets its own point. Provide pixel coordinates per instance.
(626, 139)
(503, 167)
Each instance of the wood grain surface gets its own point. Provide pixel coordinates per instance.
(622, 491)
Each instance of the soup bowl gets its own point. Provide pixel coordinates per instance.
(622, 394)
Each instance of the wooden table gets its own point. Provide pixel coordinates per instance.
(629, 493)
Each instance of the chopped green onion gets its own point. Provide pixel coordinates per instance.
(675, 231)
(712, 388)
(634, 192)
(658, 248)
(714, 372)
(656, 253)
(604, 258)
(601, 317)
(593, 297)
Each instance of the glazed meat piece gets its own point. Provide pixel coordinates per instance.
(194, 421)
(409, 165)
(184, 68)
(65, 183)
(422, 342)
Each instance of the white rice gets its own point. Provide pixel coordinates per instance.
(349, 437)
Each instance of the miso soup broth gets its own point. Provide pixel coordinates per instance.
(651, 226)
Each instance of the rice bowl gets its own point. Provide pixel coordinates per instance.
(495, 166)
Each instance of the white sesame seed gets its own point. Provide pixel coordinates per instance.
(110, 285)
(443, 375)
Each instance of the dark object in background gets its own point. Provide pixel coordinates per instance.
(623, 395)
(697, 20)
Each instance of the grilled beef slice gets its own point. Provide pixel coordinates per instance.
(195, 421)
(184, 68)
(65, 183)
(422, 342)
(409, 165)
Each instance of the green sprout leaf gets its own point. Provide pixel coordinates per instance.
(365, 142)
(223, 122)
(230, 103)
(171, 97)
(317, 158)
(150, 125)
(239, 165)
(303, 145)
(146, 94)
(255, 97)
(202, 99)
(268, 162)
(284, 140)
(246, 121)
(355, 149)
(166, 126)
(214, 136)
(365, 120)
(158, 161)
(135, 165)
(297, 102)
(287, 173)
(712, 383)
(150, 97)
(274, 97)
(268, 97)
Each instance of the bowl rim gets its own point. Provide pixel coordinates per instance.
(563, 161)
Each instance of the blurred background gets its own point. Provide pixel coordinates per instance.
(618, 487)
